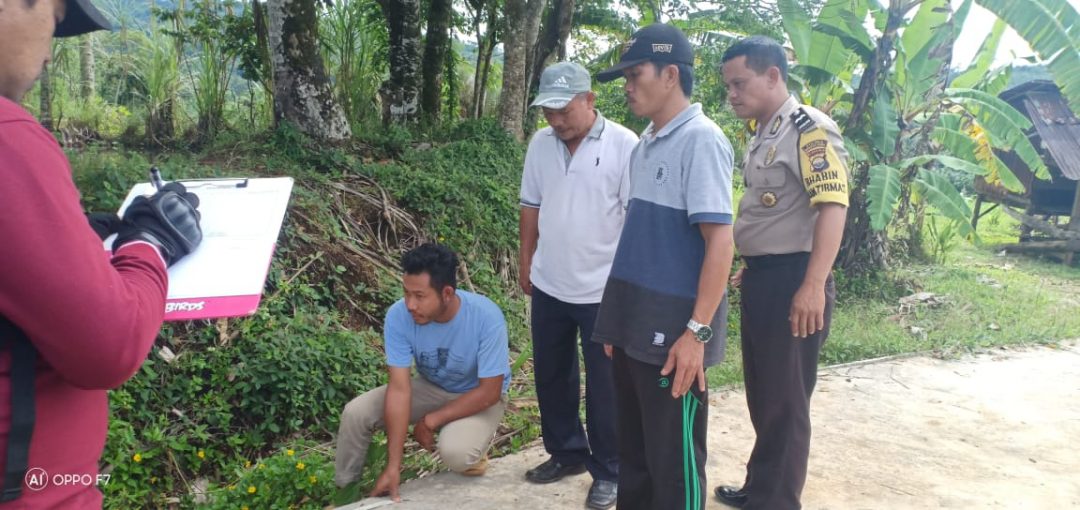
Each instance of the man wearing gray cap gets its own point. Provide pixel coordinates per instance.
(54, 373)
(574, 192)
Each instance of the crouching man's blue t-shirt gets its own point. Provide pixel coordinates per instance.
(456, 354)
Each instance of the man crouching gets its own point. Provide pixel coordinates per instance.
(459, 343)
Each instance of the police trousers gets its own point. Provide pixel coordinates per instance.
(780, 371)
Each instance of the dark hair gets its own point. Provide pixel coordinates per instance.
(686, 75)
(438, 261)
(761, 53)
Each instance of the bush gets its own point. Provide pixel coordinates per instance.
(297, 476)
(215, 405)
(106, 120)
(465, 189)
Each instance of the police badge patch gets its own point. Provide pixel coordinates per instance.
(816, 151)
(775, 128)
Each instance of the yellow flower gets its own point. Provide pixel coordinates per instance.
(247, 464)
(153, 479)
(201, 454)
(289, 452)
(300, 466)
(312, 479)
(137, 457)
(261, 465)
(243, 508)
(251, 489)
(232, 487)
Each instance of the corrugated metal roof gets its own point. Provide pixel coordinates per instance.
(1056, 124)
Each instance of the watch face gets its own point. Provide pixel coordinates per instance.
(704, 333)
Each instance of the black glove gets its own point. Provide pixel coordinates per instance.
(168, 219)
(104, 224)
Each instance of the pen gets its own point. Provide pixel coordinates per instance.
(155, 177)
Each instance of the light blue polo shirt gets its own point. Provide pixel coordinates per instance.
(679, 177)
(453, 355)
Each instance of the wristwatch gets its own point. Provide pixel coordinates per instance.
(702, 332)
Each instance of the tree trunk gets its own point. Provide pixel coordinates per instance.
(159, 124)
(513, 85)
(262, 40)
(478, 70)
(1045, 247)
(485, 52)
(484, 61)
(488, 54)
(550, 47)
(436, 48)
(526, 15)
(862, 250)
(45, 84)
(453, 89)
(302, 92)
(88, 85)
(401, 92)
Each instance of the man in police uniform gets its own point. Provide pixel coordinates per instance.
(788, 231)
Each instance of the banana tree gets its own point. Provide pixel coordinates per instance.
(907, 125)
(1052, 28)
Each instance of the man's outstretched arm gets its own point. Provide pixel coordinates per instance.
(396, 416)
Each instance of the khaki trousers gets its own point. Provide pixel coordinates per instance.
(460, 444)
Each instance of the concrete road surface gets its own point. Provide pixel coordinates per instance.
(996, 430)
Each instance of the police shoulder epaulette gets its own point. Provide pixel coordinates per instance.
(802, 120)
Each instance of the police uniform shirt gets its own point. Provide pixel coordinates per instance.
(680, 176)
(794, 162)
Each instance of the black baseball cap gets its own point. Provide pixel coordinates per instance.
(658, 42)
(82, 17)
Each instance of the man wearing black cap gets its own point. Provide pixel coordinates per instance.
(73, 322)
(663, 313)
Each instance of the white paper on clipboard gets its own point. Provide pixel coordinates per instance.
(225, 275)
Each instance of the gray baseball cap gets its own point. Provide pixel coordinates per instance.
(560, 83)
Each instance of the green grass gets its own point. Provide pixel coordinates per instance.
(1036, 302)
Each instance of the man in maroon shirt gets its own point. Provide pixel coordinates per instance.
(84, 320)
